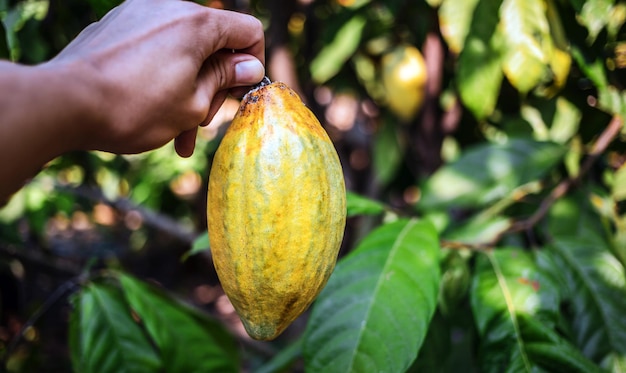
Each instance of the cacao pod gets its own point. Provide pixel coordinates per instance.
(404, 78)
(276, 209)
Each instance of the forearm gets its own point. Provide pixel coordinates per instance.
(42, 112)
(145, 74)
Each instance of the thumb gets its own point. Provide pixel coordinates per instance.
(247, 72)
(225, 70)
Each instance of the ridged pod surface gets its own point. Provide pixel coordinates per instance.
(276, 209)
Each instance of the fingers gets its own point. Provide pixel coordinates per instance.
(237, 31)
(186, 142)
(215, 105)
(221, 72)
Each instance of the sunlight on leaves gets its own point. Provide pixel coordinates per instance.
(526, 32)
(488, 172)
(455, 19)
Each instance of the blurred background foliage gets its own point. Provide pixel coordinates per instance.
(479, 115)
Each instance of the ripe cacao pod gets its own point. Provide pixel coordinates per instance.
(276, 209)
(404, 78)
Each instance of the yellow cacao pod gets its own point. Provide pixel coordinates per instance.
(404, 80)
(276, 209)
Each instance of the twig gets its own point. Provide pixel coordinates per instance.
(159, 221)
(39, 259)
(598, 148)
(458, 245)
(56, 296)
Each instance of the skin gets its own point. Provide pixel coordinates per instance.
(148, 72)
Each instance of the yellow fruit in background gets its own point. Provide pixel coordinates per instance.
(276, 209)
(404, 79)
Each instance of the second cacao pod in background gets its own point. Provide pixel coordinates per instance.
(404, 79)
(276, 209)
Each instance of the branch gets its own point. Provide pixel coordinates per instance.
(58, 294)
(42, 261)
(598, 148)
(152, 218)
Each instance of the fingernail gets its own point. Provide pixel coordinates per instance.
(249, 72)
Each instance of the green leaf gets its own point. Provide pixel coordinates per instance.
(373, 314)
(455, 19)
(507, 283)
(619, 184)
(282, 361)
(548, 349)
(105, 338)
(509, 286)
(593, 14)
(335, 54)
(187, 340)
(488, 172)
(480, 69)
(526, 32)
(434, 354)
(612, 100)
(479, 230)
(388, 152)
(565, 122)
(592, 67)
(455, 281)
(359, 205)
(200, 244)
(17, 17)
(593, 278)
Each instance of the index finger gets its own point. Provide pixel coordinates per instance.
(232, 30)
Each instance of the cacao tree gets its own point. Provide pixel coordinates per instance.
(482, 146)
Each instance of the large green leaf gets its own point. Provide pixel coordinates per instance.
(516, 305)
(105, 338)
(373, 314)
(489, 172)
(187, 341)
(480, 68)
(594, 279)
(526, 32)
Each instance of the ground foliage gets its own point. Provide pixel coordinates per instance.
(488, 232)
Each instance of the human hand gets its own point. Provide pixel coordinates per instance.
(161, 68)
